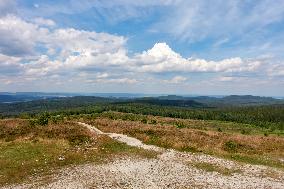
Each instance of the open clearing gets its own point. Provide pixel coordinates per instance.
(171, 169)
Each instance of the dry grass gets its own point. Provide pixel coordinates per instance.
(220, 126)
(12, 129)
(248, 148)
(27, 150)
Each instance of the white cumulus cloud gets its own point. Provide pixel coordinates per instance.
(161, 58)
(40, 52)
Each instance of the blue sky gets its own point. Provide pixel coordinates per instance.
(169, 46)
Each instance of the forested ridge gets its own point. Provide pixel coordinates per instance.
(266, 116)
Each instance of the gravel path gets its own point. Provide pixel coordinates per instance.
(124, 138)
(171, 169)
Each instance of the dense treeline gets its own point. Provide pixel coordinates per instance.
(263, 116)
(271, 117)
(168, 102)
(55, 104)
(266, 116)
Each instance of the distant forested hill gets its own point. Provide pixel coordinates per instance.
(34, 105)
(16, 98)
(52, 104)
(259, 111)
(183, 102)
(232, 100)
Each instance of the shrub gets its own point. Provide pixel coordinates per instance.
(94, 115)
(32, 123)
(153, 121)
(180, 125)
(43, 119)
(24, 116)
(57, 119)
(245, 132)
(231, 146)
(79, 139)
(190, 149)
(144, 120)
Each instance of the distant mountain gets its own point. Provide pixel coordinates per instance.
(7, 97)
(18, 98)
(14, 103)
(249, 99)
(232, 100)
(171, 101)
(52, 104)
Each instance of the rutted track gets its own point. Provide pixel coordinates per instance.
(172, 169)
(124, 138)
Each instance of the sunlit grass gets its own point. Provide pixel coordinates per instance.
(41, 151)
(249, 148)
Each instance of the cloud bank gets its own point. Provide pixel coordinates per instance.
(38, 54)
(69, 51)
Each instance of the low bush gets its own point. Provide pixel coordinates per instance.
(43, 119)
(153, 121)
(180, 125)
(231, 146)
(144, 120)
(245, 132)
(79, 139)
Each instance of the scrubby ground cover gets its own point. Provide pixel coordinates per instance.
(217, 125)
(170, 169)
(42, 145)
(29, 149)
(241, 142)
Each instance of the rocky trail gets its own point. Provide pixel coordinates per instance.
(171, 169)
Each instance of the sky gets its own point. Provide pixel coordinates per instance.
(144, 46)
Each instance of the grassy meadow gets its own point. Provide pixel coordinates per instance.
(28, 150)
(37, 146)
(240, 142)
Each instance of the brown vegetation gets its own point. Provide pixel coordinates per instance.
(29, 150)
(249, 148)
